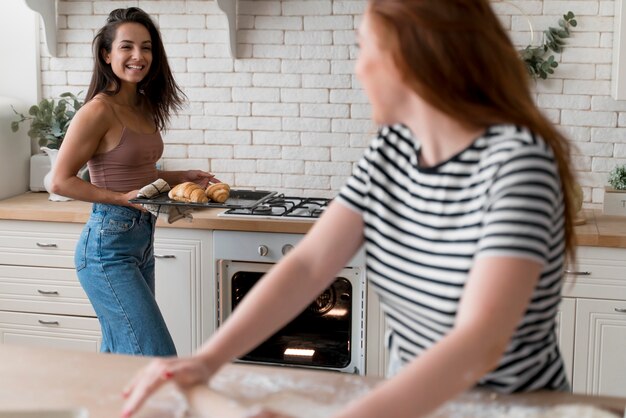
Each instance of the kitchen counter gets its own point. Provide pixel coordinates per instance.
(597, 231)
(41, 378)
(36, 207)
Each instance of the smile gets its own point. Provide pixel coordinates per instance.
(135, 67)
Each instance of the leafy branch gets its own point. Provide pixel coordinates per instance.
(537, 64)
(49, 120)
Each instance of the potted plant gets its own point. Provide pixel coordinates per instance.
(49, 121)
(615, 195)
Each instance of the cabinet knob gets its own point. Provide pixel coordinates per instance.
(620, 310)
(47, 292)
(46, 245)
(578, 273)
(263, 250)
(164, 256)
(287, 248)
(42, 322)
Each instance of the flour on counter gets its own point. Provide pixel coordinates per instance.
(472, 410)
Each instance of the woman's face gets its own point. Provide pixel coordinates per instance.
(379, 76)
(131, 53)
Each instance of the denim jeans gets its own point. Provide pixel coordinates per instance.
(115, 265)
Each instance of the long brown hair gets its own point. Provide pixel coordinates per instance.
(162, 94)
(456, 56)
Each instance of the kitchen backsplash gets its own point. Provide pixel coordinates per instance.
(288, 114)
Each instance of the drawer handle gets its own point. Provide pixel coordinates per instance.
(620, 310)
(48, 322)
(164, 256)
(48, 292)
(44, 245)
(578, 273)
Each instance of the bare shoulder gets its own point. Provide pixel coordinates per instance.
(96, 111)
(92, 120)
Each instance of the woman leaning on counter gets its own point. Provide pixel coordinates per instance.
(130, 99)
(463, 204)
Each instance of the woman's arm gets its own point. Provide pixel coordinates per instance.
(281, 295)
(496, 296)
(88, 128)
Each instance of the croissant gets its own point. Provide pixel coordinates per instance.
(218, 192)
(188, 192)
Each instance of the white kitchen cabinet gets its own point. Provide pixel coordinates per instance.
(41, 300)
(591, 324)
(376, 353)
(184, 288)
(565, 328)
(600, 355)
(599, 289)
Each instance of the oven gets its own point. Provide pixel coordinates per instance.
(328, 334)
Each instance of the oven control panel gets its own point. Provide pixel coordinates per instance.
(265, 247)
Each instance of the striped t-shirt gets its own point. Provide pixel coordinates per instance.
(425, 226)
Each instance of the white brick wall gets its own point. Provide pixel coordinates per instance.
(288, 115)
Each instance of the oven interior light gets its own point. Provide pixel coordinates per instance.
(299, 352)
(337, 312)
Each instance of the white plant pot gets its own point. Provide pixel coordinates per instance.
(614, 202)
(52, 154)
(39, 167)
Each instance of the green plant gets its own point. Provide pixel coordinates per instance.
(617, 177)
(537, 64)
(49, 120)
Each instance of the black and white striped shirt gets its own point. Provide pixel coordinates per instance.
(425, 227)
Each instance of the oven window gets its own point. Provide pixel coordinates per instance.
(319, 336)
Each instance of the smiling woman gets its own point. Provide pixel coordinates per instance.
(117, 133)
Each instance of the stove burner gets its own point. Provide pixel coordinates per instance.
(285, 206)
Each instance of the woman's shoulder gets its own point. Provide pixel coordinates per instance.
(96, 111)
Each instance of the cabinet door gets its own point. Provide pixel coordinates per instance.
(565, 325)
(182, 278)
(53, 331)
(376, 355)
(600, 347)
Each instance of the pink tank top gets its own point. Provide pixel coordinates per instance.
(130, 165)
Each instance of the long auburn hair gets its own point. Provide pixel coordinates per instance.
(162, 94)
(456, 56)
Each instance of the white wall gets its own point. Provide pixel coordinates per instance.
(289, 115)
(19, 42)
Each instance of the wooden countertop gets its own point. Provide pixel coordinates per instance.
(36, 207)
(43, 378)
(597, 231)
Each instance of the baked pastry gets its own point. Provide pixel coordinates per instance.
(188, 192)
(218, 192)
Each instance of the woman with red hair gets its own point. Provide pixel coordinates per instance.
(462, 202)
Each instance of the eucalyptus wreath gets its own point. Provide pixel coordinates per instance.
(537, 64)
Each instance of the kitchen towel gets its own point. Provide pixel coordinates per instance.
(173, 213)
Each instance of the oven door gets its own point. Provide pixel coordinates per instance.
(327, 334)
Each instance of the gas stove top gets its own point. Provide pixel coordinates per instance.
(283, 207)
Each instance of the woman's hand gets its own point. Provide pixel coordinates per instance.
(202, 178)
(185, 372)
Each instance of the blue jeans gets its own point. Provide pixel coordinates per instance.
(115, 265)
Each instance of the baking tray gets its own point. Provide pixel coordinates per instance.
(238, 199)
